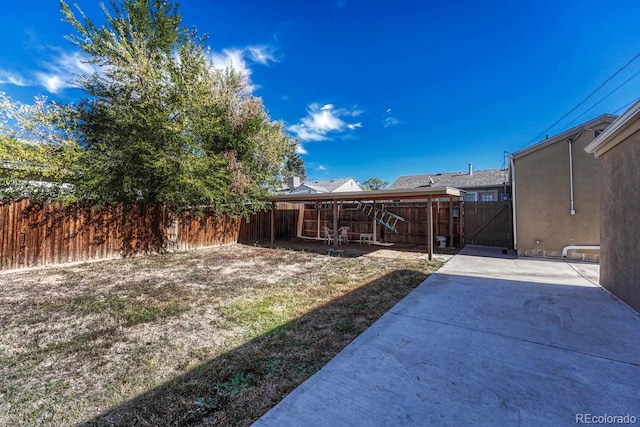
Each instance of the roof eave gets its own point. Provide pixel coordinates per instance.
(410, 194)
(612, 136)
(564, 135)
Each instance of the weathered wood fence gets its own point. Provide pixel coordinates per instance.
(462, 223)
(488, 224)
(446, 217)
(257, 228)
(36, 235)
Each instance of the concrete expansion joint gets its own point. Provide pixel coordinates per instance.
(544, 344)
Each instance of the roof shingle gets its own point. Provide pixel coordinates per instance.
(462, 180)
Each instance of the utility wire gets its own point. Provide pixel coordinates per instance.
(626, 105)
(601, 99)
(582, 102)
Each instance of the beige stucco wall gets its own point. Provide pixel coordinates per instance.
(544, 224)
(620, 220)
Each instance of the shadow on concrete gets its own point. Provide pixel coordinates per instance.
(466, 350)
(489, 252)
(256, 375)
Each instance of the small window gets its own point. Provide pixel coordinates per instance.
(471, 197)
(488, 196)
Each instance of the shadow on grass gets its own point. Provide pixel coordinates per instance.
(239, 386)
(355, 249)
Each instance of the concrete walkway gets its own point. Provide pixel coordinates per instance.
(488, 340)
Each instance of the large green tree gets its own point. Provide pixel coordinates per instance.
(161, 124)
(374, 184)
(295, 165)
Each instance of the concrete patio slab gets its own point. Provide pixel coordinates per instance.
(488, 340)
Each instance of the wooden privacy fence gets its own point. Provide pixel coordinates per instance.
(257, 228)
(488, 224)
(413, 230)
(462, 223)
(37, 235)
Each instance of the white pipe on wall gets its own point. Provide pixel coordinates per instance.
(572, 211)
(513, 199)
(575, 247)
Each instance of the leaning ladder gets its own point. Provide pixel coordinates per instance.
(382, 217)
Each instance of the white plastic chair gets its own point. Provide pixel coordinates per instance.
(343, 236)
(328, 235)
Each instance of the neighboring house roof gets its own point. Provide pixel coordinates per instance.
(615, 133)
(326, 186)
(592, 124)
(462, 180)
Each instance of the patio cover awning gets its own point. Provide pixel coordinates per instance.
(410, 194)
(426, 193)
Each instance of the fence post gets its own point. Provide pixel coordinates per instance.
(273, 222)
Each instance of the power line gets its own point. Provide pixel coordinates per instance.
(626, 105)
(583, 101)
(601, 99)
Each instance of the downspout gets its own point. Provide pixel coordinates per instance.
(572, 211)
(571, 139)
(512, 166)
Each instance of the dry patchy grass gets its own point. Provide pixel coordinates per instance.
(213, 337)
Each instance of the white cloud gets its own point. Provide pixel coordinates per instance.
(321, 168)
(230, 58)
(261, 54)
(238, 58)
(389, 120)
(51, 82)
(322, 120)
(301, 150)
(62, 73)
(7, 77)
(55, 74)
(60, 70)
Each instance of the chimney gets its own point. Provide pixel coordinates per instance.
(470, 168)
(293, 182)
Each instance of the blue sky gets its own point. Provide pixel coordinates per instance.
(384, 89)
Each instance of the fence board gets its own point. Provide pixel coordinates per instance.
(488, 224)
(35, 235)
(257, 227)
(412, 231)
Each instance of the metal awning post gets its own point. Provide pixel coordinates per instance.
(318, 205)
(335, 223)
(450, 222)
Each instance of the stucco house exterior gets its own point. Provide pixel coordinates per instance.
(480, 185)
(617, 152)
(327, 186)
(556, 194)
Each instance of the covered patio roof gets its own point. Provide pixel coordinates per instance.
(411, 194)
(425, 193)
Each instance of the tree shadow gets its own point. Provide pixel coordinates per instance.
(478, 350)
(239, 386)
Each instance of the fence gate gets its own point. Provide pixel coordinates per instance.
(488, 224)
